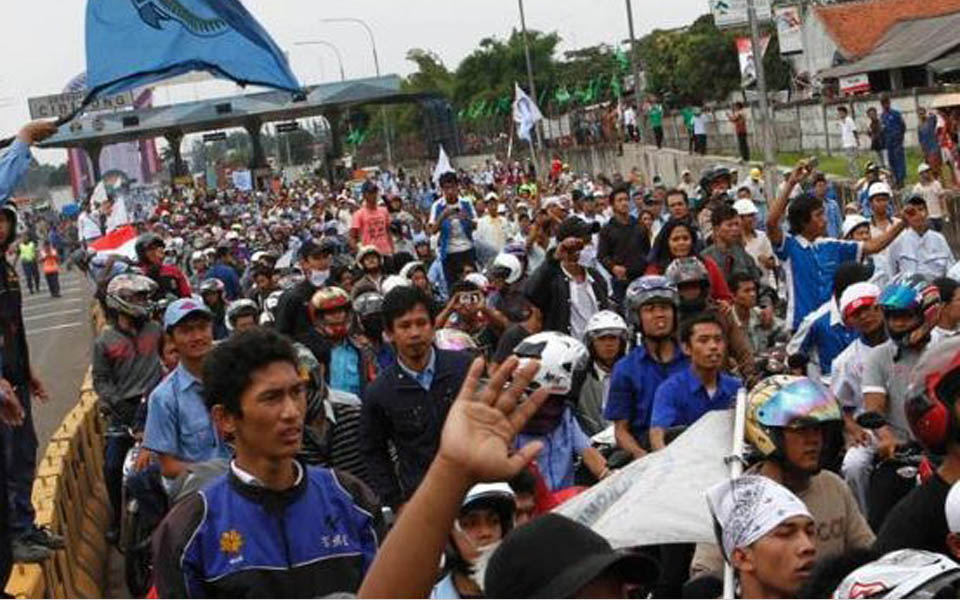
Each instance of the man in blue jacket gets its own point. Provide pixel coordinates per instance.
(270, 527)
(894, 128)
(454, 218)
(407, 403)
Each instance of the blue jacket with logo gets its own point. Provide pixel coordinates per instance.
(237, 540)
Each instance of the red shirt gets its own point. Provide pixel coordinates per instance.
(374, 228)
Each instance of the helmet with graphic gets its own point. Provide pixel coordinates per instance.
(455, 340)
(562, 360)
(649, 289)
(243, 307)
(932, 396)
(211, 285)
(787, 402)
(903, 574)
(910, 294)
(393, 281)
(268, 316)
(132, 295)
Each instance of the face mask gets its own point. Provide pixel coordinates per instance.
(318, 278)
(479, 570)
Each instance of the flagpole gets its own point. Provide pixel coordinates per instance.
(526, 52)
(769, 162)
(735, 462)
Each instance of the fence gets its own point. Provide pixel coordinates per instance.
(70, 498)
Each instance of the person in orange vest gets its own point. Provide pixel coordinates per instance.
(51, 268)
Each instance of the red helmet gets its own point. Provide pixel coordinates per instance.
(934, 389)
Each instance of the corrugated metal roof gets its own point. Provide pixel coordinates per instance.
(906, 44)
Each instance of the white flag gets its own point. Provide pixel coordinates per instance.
(661, 498)
(525, 113)
(443, 166)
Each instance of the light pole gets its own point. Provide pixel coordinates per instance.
(533, 88)
(336, 51)
(376, 64)
(769, 172)
(633, 58)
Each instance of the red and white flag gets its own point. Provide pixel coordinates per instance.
(120, 241)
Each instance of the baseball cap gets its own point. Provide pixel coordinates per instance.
(916, 199)
(368, 186)
(745, 206)
(851, 222)
(756, 173)
(856, 296)
(555, 557)
(573, 227)
(923, 168)
(879, 188)
(871, 166)
(183, 308)
(685, 172)
(552, 201)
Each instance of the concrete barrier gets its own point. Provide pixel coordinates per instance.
(70, 498)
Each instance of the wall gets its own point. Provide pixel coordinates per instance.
(803, 126)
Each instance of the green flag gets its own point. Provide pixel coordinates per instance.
(623, 62)
(356, 137)
(504, 105)
(615, 86)
(562, 96)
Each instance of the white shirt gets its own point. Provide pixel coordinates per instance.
(699, 125)
(629, 116)
(759, 246)
(583, 303)
(928, 254)
(847, 372)
(493, 231)
(939, 333)
(249, 479)
(848, 128)
(932, 194)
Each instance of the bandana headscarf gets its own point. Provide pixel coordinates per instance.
(749, 507)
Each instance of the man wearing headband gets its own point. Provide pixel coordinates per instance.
(766, 533)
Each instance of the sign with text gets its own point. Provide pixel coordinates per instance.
(242, 180)
(733, 13)
(60, 105)
(854, 84)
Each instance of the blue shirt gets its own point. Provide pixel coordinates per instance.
(178, 423)
(14, 164)
(633, 383)
(893, 128)
(834, 218)
(555, 460)
(682, 398)
(423, 378)
(228, 275)
(823, 330)
(345, 368)
(809, 269)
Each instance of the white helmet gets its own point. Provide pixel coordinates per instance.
(454, 339)
(392, 282)
(410, 267)
(902, 574)
(239, 308)
(478, 280)
(498, 496)
(507, 267)
(605, 322)
(197, 255)
(560, 356)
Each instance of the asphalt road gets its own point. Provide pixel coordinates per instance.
(60, 336)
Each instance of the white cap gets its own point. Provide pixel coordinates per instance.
(862, 293)
(923, 168)
(491, 196)
(745, 207)
(478, 279)
(851, 222)
(552, 201)
(501, 209)
(952, 509)
(879, 188)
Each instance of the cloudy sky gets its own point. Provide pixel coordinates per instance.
(42, 41)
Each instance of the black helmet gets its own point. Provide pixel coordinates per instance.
(145, 242)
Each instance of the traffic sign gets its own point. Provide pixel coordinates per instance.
(61, 105)
(287, 127)
(217, 136)
(733, 13)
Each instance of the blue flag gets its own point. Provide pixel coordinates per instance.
(132, 43)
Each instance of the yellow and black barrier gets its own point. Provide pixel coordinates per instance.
(70, 498)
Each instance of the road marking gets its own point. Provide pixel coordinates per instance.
(53, 314)
(29, 307)
(56, 327)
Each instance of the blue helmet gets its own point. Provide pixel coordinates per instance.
(911, 293)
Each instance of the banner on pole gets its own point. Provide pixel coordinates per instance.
(748, 69)
(789, 30)
(733, 13)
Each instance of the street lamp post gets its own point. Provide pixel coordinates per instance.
(376, 64)
(769, 163)
(336, 51)
(533, 87)
(633, 58)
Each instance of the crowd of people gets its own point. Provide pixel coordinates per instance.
(386, 387)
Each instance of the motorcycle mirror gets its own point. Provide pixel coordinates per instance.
(871, 420)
